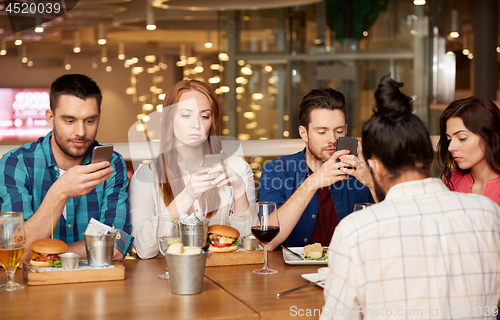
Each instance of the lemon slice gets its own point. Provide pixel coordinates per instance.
(174, 241)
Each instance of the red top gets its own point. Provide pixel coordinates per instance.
(327, 219)
(463, 183)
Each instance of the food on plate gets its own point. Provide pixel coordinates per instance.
(45, 252)
(223, 238)
(315, 252)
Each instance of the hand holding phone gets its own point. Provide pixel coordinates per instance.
(209, 161)
(347, 143)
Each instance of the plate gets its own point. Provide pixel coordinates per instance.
(293, 260)
(313, 277)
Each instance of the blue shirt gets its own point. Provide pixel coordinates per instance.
(281, 177)
(27, 173)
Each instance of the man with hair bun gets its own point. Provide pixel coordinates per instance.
(423, 251)
(312, 191)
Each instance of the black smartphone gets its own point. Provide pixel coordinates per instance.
(211, 160)
(102, 153)
(347, 143)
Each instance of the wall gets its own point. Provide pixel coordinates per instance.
(118, 110)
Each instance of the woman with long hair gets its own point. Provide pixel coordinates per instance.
(174, 183)
(469, 147)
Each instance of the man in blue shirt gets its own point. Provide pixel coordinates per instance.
(312, 191)
(52, 180)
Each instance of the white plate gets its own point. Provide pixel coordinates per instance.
(293, 260)
(313, 277)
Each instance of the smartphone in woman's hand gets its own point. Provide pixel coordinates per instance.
(211, 160)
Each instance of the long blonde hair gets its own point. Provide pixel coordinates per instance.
(170, 178)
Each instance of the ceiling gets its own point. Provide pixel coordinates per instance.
(189, 23)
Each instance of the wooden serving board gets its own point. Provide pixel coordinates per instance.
(74, 276)
(235, 258)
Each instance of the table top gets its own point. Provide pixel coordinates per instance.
(260, 291)
(232, 292)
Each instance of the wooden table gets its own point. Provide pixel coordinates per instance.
(259, 291)
(228, 293)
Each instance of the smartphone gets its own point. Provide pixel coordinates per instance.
(102, 153)
(347, 143)
(211, 160)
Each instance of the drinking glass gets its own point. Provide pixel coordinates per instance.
(167, 232)
(267, 230)
(12, 239)
(361, 206)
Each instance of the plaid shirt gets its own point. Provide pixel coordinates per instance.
(423, 253)
(29, 171)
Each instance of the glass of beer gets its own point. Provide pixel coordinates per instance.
(12, 239)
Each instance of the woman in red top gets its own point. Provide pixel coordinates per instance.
(469, 147)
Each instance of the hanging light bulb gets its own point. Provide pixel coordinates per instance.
(3, 47)
(18, 41)
(121, 51)
(209, 43)
(150, 16)
(94, 63)
(223, 56)
(454, 24)
(67, 65)
(77, 46)
(101, 35)
(24, 58)
(104, 55)
(38, 22)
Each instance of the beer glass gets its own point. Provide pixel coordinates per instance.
(12, 239)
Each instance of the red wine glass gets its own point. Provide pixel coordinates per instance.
(267, 229)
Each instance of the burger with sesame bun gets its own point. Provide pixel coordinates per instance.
(222, 238)
(45, 252)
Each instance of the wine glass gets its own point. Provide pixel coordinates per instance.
(167, 232)
(267, 230)
(12, 239)
(361, 206)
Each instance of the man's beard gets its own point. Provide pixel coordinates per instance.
(318, 154)
(379, 191)
(60, 143)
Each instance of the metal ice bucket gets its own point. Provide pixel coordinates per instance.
(100, 249)
(194, 235)
(186, 272)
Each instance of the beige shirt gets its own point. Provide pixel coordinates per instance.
(144, 206)
(423, 253)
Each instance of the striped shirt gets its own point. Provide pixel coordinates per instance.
(423, 253)
(27, 173)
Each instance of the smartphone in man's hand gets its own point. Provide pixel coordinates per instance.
(102, 153)
(347, 143)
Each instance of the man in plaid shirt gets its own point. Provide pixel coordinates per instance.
(423, 252)
(52, 180)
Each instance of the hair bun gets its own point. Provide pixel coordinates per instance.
(390, 101)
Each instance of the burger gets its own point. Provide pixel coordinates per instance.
(45, 252)
(222, 238)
